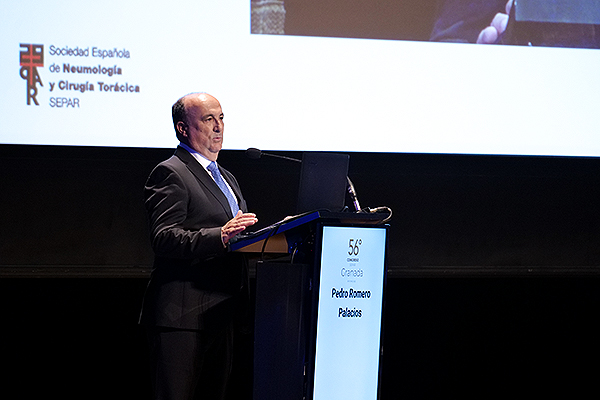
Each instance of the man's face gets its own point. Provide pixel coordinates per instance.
(204, 128)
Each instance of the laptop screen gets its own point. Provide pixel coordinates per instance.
(323, 182)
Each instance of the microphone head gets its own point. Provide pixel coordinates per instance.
(253, 153)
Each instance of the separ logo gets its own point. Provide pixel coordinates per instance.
(31, 57)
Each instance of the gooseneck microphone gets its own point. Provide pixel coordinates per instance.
(255, 154)
(353, 195)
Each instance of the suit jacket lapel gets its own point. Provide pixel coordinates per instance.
(233, 185)
(205, 179)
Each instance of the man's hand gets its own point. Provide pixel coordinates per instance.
(236, 225)
(490, 34)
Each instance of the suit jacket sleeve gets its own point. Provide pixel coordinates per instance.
(175, 231)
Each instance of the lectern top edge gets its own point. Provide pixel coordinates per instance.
(303, 219)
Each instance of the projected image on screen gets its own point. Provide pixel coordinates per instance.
(554, 23)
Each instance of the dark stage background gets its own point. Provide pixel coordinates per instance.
(492, 284)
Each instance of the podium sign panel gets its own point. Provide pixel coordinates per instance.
(350, 305)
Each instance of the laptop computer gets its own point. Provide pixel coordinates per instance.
(323, 182)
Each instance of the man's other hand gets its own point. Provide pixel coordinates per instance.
(236, 225)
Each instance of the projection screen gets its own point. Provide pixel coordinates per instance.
(106, 74)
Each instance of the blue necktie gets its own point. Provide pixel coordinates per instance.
(214, 170)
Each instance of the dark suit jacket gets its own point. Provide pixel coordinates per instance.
(196, 282)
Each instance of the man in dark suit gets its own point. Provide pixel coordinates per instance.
(197, 285)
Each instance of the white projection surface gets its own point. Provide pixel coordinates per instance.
(111, 70)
